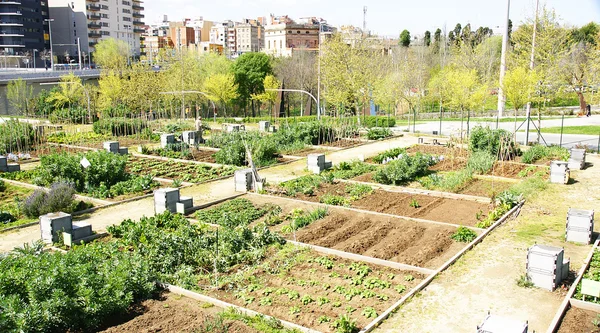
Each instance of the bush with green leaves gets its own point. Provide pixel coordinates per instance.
(496, 142)
(377, 133)
(59, 198)
(503, 202)
(2, 185)
(389, 154)
(538, 152)
(234, 213)
(233, 148)
(16, 136)
(305, 184)
(348, 170)
(481, 162)
(75, 114)
(358, 191)
(405, 169)
(300, 219)
(464, 235)
(76, 291)
(334, 200)
(6, 217)
(344, 324)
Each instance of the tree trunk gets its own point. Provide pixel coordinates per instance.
(515, 132)
(582, 103)
(253, 111)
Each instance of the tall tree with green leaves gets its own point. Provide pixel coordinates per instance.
(250, 70)
(427, 38)
(519, 85)
(269, 96)
(221, 88)
(19, 95)
(405, 38)
(69, 93)
(112, 54)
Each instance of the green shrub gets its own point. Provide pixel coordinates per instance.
(76, 115)
(334, 200)
(357, 191)
(481, 162)
(58, 199)
(2, 186)
(344, 324)
(119, 126)
(452, 181)
(305, 185)
(6, 217)
(234, 213)
(15, 136)
(496, 142)
(538, 152)
(464, 235)
(301, 219)
(391, 153)
(403, 170)
(378, 133)
(348, 170)
(233, 148)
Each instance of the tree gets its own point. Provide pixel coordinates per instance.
(250, 70)
(221, 88)
(463, 85)
(270, 97)
(300, 72)
(405, 38)
(427, 38)
(111, 88)
(69, 92)
(519, 86)
(112, 54)
(19, 95)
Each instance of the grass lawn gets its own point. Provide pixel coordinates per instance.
(9, 199)
(586, 130)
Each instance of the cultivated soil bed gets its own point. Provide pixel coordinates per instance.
(305, 152)
(173, 313)
(419, 244)
(485, 187)
(195, 154)
(579, 321)
(405, 204)
(304, 287)
(187, 172)
(438, 150)
(343, 143)
(517, 170)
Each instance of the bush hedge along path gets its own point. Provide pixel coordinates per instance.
(205, 192)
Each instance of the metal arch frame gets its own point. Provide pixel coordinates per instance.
(305, 92)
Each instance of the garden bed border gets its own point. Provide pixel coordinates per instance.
(375, 323)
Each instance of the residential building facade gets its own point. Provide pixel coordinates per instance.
(94, 20)
(23, 26)
(283, 39)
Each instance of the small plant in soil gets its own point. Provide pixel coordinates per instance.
(350, 309)
(177, 182)
(409, 278)
(294, 310)
(596, 321)
(266, 301)
(293, 295)
(345, 325)
(400, 288)
(322, 300)
(307, 299)
(369, 312)
(414, 203)
(334, 200)
(336, 304)
(323, 319)
(479, 215)
(524, 281)
(464, 235)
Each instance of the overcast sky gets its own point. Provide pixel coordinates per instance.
(384, 17)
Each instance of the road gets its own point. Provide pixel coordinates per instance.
(568, 140)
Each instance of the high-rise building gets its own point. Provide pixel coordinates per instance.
(247, 38)
(23, 26)
(94, 20)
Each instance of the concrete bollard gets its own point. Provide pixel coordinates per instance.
(166, 199)
(496, 324)
(546, 266)
(184, 204)
(53, 224)
(577, 159)
(111, 146)
(264, 125)
(580, 226)
(243, 180)
(316, 163)
(559, 172)
(166, 139)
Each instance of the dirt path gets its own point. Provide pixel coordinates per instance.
(485, 278)
(202, 193)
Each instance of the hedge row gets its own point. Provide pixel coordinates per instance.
(119, 126)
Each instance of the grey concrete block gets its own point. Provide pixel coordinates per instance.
(3, 161)
(264, 125)
(166, 139)
(328, 165)
(188, 202)
(192, 137)
(544, 266)
(81, 230)
(51, 225)
(13, 168)
(124, 151)
(111, 146)
(496, 324)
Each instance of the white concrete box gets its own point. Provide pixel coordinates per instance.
(497, 324)
(53, 224)
(544, 266)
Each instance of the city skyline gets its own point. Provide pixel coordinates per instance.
(383, 18)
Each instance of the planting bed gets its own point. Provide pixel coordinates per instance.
(404, 204)
(10, 200)
(395, 239)
(517, 170)
(174, 313)
(192, 154)
(437, 150)
(306, 288)
(305, 152)
(485, 187)
(579, 321)
(342, 143)
(188, 172)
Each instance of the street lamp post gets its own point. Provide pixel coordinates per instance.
(50, 33)
(319, 75)
(34, 51)
(301, 91)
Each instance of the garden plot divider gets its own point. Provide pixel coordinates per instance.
(375, 323)
(225, 305)
(569, 301)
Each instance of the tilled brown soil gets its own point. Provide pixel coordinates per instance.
(517, 170)
(446, 210)
(579, 321)
(343, 143)
(485, 187)
(173, 313)
(437, 150)
(306, 151)
(450, 164)
(300, 272)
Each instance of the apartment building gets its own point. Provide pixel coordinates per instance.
(90, 21)
(285, 38)
(181, 35)
(23, 28)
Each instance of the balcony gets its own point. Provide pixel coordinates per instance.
(10, 2)
(93, 8)
(94, 17)
(138, 30)
(137, 7)
(94, 26)
(10, 23)
(93, 0)
(138, 15)
(135, 22)
(95, 35)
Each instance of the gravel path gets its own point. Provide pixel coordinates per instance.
(484, 279)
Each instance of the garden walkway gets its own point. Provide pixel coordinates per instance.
(485, 278)
(203, 193)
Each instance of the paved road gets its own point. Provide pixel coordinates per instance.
(568, 140)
